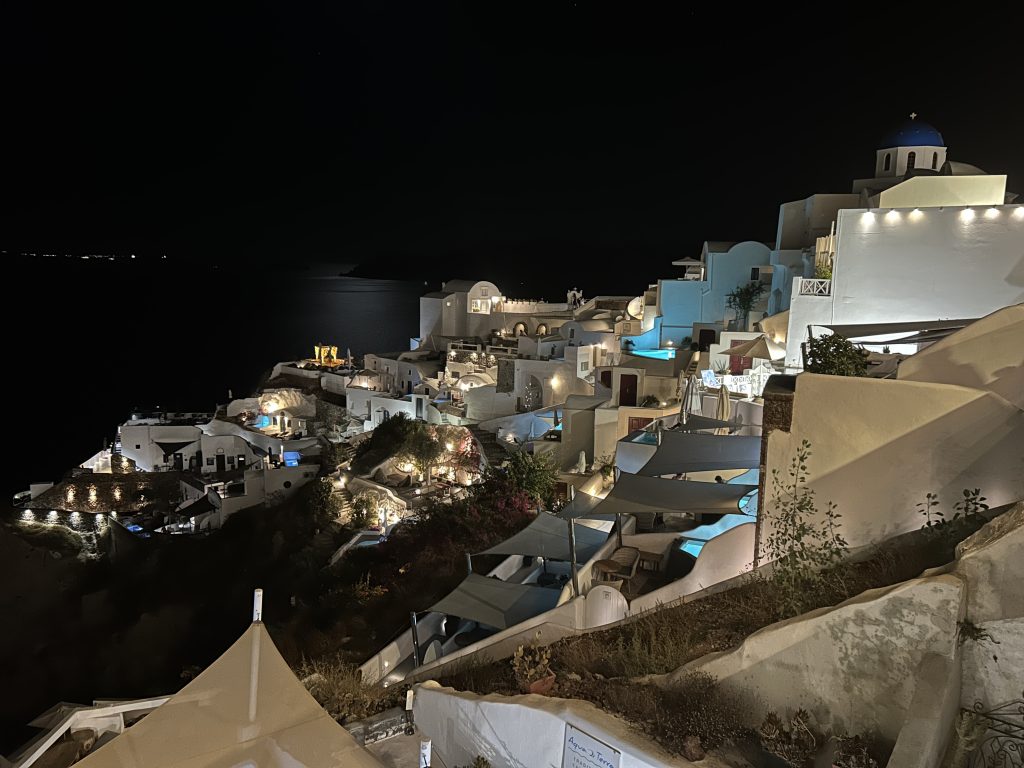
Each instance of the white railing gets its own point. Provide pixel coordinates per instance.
(815, 287)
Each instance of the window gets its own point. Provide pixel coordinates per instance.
(480, 306)
(484, 291)
(887, 164)
(935, 160)
(209, 462)
(138, 447)
(584, 366)
(572, 333)
(911, 160)
(638, 422)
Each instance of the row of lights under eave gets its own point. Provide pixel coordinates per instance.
(966, 215)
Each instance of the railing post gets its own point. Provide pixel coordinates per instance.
(415, 640)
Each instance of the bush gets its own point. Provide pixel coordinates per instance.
(801, 541)
(837, 356)
(743, 299)
(532, 474)
(337, 687)
(385, 441)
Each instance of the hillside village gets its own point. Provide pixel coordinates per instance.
(765, 510)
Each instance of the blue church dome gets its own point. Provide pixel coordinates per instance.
(913, 133)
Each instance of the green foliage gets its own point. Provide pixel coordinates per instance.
(533, 474)
(319, 502)
(823, 271)
(422, 449)
(649, 402)
(743, 299)
(801, 541)
(478, 762)
(531, 663)
(836, 355)
(966, 511)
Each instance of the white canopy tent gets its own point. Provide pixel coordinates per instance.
(245, 709)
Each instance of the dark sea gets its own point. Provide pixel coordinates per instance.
(88, 340)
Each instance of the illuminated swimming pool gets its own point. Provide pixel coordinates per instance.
(657, 354)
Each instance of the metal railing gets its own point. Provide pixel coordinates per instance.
(815, 287)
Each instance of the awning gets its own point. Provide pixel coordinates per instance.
(497, 603)
(548, 537)
(247, 708)
(697, 452)
(637, 493)
(172, 448)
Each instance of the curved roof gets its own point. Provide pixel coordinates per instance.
(913, 133)
(463, 286)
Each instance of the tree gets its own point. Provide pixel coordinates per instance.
(533, 474)
(836, 355)
(422, 449)
(743, 299)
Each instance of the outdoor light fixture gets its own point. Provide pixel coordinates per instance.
(967, 214)
(867, 217)
(892, 215)
(916, 214)
(1018, 212)
(992, 213)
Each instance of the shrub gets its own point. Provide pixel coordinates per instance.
(836, 355)
(531, 663)
(337, 687)
(802, 542)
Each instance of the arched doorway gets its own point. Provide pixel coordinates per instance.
(542, 329)
(533, 397)
(519, 329)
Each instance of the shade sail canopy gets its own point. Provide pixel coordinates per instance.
(697, 423)
(637, 493)
(697, 452)
(497, 603)
(245, 709)
(862, 330)
(762, 348)
(583, 505)
(548, 537)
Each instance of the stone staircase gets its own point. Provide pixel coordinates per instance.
(489, 448)
(344, 499)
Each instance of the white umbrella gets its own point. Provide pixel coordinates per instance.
(691, 398)
(724, 409)
(762, 348)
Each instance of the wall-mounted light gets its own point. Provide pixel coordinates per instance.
(916, 214)
(992, 213)
(967, 214)
(1018, 212)
(867, 217)
(892, 215)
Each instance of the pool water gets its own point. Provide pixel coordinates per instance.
(657, 354)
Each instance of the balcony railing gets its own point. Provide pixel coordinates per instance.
(815, 287)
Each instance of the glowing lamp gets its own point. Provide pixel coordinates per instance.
(1018, 212)
(992, 213)
(867, 217)
(892, 215)
(916, 214)
(967, 214)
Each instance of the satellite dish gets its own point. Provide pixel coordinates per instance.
(636, 307)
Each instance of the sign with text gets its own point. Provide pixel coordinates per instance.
(584, 751)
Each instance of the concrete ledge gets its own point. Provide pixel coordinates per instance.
(932, 715)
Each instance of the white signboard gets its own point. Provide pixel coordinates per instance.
(584, 751)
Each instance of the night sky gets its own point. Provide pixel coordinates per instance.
(487, 140)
